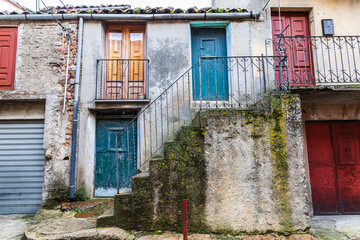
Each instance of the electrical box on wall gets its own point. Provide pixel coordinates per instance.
(328, 27)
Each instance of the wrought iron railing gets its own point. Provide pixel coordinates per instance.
(235, 83)
(321, 60)
(239, 82)
(122, 79)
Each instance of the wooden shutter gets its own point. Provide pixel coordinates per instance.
(8, 40)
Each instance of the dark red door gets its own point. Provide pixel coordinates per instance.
(297, 44)
(8, 38)
(334, 159)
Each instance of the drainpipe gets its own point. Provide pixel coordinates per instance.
(75, 116)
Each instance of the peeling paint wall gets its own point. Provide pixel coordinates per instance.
(169, 52)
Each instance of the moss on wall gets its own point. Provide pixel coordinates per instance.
(182, 176)
(181, 173)
(279, 160)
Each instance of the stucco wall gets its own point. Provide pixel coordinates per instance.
(169, 52)
(343, 12)
(38, 93)
(93, 49)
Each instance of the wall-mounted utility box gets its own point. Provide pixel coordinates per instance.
(328, 27)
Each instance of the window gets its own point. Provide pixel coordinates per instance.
(8, 40)
(126, 66)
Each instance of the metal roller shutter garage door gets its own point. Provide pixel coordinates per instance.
(21, 166)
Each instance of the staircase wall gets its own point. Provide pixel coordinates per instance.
(255, 169)
(241, 172)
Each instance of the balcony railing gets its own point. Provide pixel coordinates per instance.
(241, 83)
(321, 60)
(122, 79)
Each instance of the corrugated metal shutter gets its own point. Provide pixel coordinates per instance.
(21, 166)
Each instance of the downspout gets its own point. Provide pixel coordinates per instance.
(76, 107)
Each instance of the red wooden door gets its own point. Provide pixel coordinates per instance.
(297, 43)
(8, 39)
(334, 159)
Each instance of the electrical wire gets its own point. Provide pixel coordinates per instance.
(68, 53)
(64, 5)
(57, 21)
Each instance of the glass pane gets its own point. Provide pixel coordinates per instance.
(114, 66)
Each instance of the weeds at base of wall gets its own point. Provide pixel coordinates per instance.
(58, 193)
(80, 195)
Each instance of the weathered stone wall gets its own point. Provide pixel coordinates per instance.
(241, 171)
(39, 90)
(256, 170)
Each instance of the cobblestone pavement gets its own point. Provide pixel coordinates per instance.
(13, 226)
(344, 227)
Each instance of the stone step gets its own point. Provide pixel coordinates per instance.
(175, 150)
(155, 164)
(141, 184)
(187, 132)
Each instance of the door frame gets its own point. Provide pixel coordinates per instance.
(211, 25)
(122, 27)
(114, 117)
(125, 29)
(300, 13)
(340, 213)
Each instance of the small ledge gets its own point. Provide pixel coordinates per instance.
(116, 105)
(331, 87)
(137, 101)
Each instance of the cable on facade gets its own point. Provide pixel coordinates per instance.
(68, 37)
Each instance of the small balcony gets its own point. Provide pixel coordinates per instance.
(321, 60)
(122, 79)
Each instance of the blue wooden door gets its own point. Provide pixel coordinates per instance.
(105, 173)
(210, 43)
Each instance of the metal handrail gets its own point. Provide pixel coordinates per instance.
(243, 82)
(321, 59)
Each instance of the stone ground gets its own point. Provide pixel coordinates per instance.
(13, 226)
(55, 224)
(336, 227)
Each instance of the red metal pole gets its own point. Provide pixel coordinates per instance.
(185, 227)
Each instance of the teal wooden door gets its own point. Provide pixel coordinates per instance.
(105, 173)
(210, 42)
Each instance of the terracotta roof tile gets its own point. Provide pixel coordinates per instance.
(124, 9)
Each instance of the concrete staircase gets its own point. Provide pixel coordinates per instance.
(154, 201)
